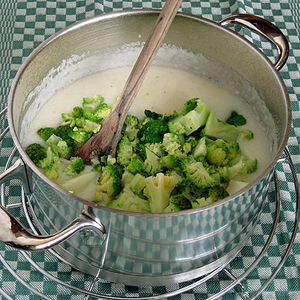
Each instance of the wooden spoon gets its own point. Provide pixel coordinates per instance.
(106, 140)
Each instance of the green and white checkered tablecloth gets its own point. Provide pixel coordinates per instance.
(23, 26)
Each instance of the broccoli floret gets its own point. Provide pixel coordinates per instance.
(158, 190)
(51, 171)
(178, 203)
(75, 166)
(189, 106)
(137, 183)
(77, 112)
(127, 177)
(59, 146)
(128, 201)
(189, 190)
(249, 165)
(48, 160)
(217, 192)
(90, 104)
(215, 155)
(89, 126)
(246, 135)
(110, 184)
(217, 129)
(79, 136)
(108, 160)
(197, 174)
(130, 127)
(124, 151)
(172, 145)
(169, 162)
(190, 122)
(152, 165)
(136, 164)
(45, 132)
(62, 131)
(36, 152)
(200, 149)
(50, 164)
(236, 119)
(152, 131)
(153, 115)
(156, 148)
(202, 202)
(99, 114)
(240, 165)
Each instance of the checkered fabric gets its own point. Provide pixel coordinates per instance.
(41, 275)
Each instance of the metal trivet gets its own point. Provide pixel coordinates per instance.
(95, 287)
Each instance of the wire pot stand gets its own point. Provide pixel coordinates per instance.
(91, 290)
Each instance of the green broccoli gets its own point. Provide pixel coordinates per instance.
(75, 166)
(189, 106)
(153, 115)
(169, 161)
(59, 146)
(172, 145)
(152, 164)
(77, 112)
(62, 131)
(110, 184)
(202, 202)
(189, 144)
(178, 203)
(136, 164)
(152, 131)
(200, 149)
(217, 192)
(124, 151)
(99, 114)
(129, 201)
(50, 164)
(79, 136)
(197, 173)
(215, 155)
(156, 148)
(249, 165)
(236, 119)
(45, 132)
(137, 183)
(246, 135)
(89, 126)
(36, 152)
(108, 160)
(158, 190)
(91, 103)
(190, 122)
(130, 127)
(217, 129)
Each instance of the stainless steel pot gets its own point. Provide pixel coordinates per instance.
(135, 248)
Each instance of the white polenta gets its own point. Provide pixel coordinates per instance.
(164, 90)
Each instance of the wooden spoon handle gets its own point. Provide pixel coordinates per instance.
(106, 140)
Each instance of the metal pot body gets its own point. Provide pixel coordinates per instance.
(145, 249)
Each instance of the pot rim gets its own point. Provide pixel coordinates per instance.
(118, 14)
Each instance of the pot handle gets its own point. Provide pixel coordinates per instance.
(15, 235)
(265, 29)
